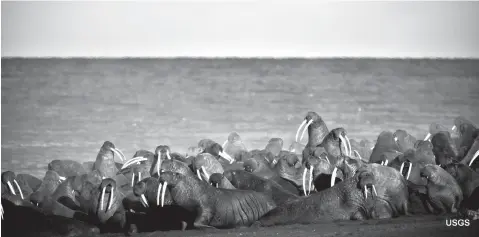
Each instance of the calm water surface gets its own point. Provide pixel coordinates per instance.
(66, 108)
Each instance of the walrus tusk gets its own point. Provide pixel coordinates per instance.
(349, 145)
(102, 198)
(402, 167)
(304, 181)
(119, 153)
(453, 128)
(343, 143)
(365, 192)
(358, 155)
(310, 179)
(1, 210)
(62, 178)
(133, 180)
(396, 139)
(133, 160)
(386, 162)
(306, 129)
(333, 177)
(409, 171)
(158, 194)
(139, 176)
(158, 166)
(382, 162)
(110, 201)
(224, 144)
(11, 188)
(199, 175)
(299, 129)
(216, 185)
(19, 190)
(168, 154)
(226, 156)
(474, 157)
(207, 176)
(163, 191)
(427, 136)
(374, 190)
(144, 201)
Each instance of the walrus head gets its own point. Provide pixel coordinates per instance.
(337, 143)
(317, 129)
(176, 166)
(152, 193)
(9, 179)
(366, 183)
(216, 150)
(107, 145)
(233, 138)
(404, 140)
(205, 164)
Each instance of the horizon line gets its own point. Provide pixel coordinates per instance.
(240, 57)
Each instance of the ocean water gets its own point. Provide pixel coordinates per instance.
(66, 108)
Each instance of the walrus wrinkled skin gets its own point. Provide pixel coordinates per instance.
(445, 194)
(468, 180)
(247, 181)
(392, 190)
(344, 201)
(220, 208)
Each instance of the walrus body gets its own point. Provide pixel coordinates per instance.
(220, 208)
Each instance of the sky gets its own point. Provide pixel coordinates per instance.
(240, 29)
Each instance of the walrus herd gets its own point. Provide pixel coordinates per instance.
(332, 177)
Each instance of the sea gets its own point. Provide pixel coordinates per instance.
(66, 108)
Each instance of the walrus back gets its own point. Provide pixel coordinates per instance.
(240, 208)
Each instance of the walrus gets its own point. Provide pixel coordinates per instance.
(216, 207)
(161, 214)
(105, 160)
(445, 194)
(12, 185)
(104, 206)
(234, 146)
(404, 140)
(220, 181)
(275, 146)
(468, 180)
(344, 201)
(49, 184)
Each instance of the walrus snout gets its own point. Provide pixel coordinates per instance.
(108, 185)
(110, 146)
